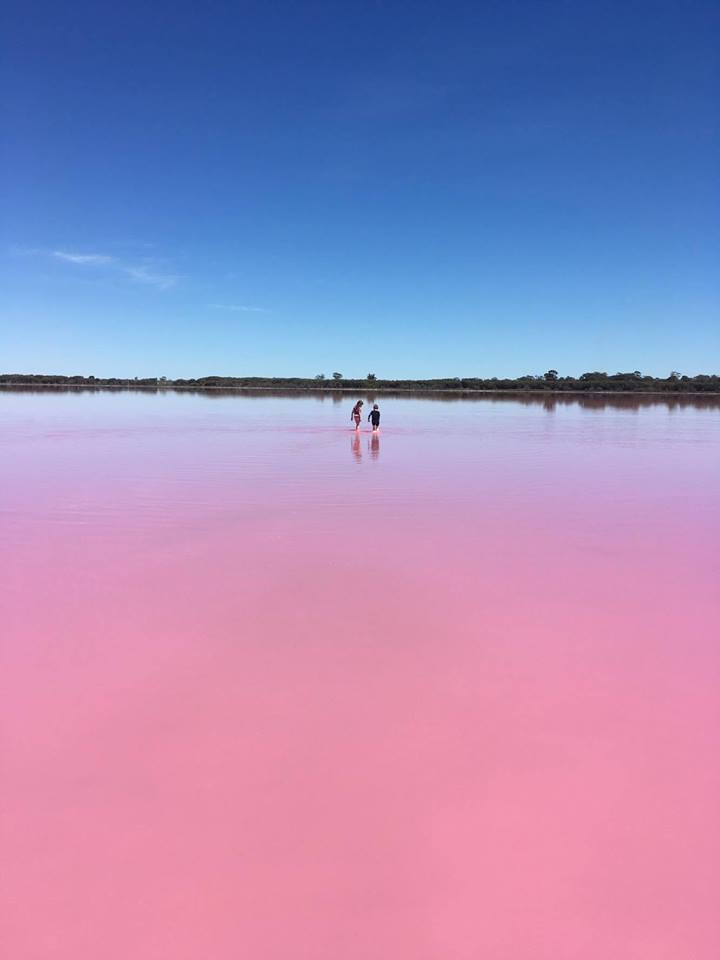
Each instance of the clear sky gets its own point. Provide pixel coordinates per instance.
(408, 188)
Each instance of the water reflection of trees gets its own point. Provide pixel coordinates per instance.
(549, 402)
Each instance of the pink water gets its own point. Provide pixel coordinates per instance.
(272, 691)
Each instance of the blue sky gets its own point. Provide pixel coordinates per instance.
(410, 188)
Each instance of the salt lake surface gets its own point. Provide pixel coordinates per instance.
(274, 691)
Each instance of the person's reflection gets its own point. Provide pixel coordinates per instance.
(373, 445)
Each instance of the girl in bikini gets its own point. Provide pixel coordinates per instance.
(357, 414)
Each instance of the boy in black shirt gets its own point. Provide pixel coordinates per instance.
(374, 415)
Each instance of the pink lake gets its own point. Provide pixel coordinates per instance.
(274, 691)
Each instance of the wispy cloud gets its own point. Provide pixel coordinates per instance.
(238, 308)
(144, 274)
(89, 258)
(151, 271)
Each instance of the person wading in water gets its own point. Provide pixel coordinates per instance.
(374, 415)
(356, 414)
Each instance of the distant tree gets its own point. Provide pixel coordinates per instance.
(320, 376)
(674, 374)
(337, 376)
(551, 375)
(372, 376)
(636, 373)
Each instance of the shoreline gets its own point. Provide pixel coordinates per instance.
(415, 391)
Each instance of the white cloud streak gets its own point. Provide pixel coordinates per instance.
(149, 272)
(238, 308)
(82, 258)
(142, 274)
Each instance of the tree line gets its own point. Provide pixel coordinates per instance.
(551, 381)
